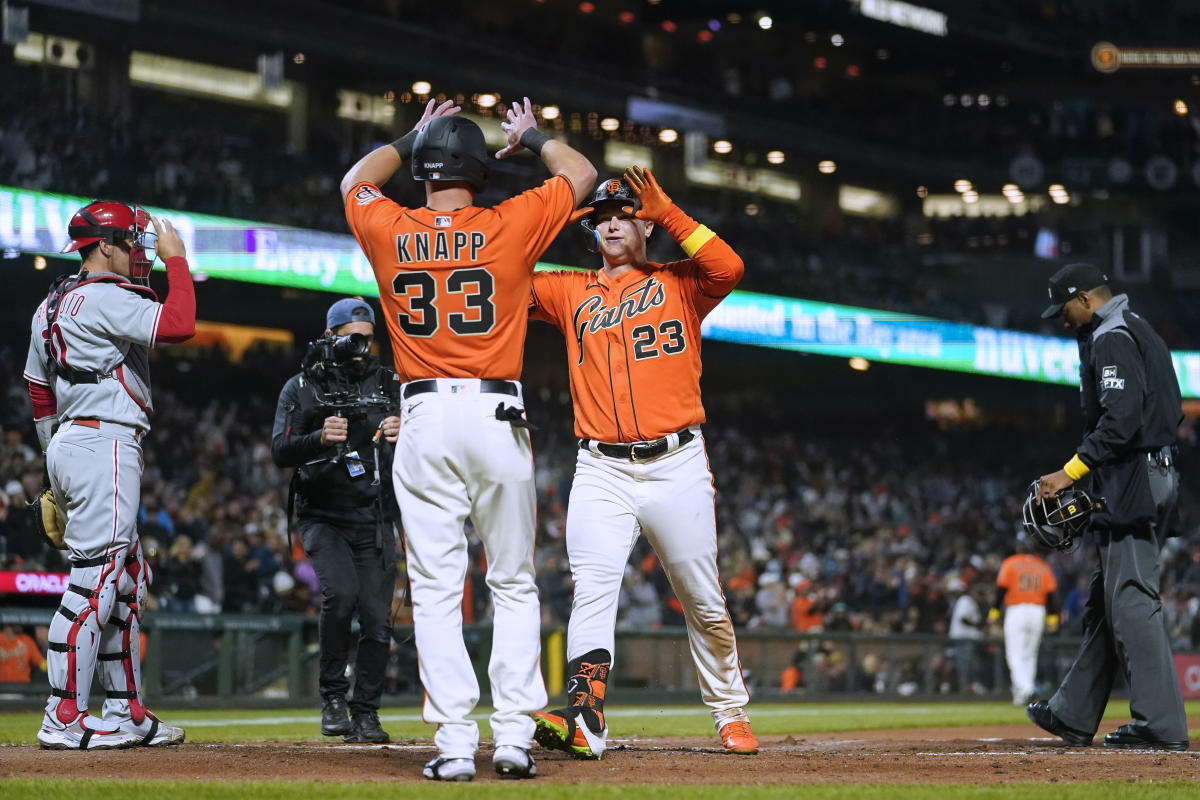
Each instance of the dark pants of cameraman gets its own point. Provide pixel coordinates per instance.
(356, 575)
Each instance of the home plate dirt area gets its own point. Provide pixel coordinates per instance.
(980, 755)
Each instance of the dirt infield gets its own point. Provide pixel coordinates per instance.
(984, 755)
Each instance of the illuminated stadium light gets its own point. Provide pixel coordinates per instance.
(775, 157)
(962, 185)
(948, 100)
(487, 100)
(609, 124)
(966, 100)
(422, 87)
(1181, 108)
(837, 40)
(1015, 197)
(550, 112)
(971, 196)
(765, 22)
(722, 146)
(859, 364)
(39, 263)
(668, 135)
(1011, 188)
(983, 100)
(826, 167)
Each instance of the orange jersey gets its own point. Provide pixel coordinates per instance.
(454, 285)
(633, 342)
(1026, 579)
(18, 656)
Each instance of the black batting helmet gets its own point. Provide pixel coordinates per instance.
(450, 149)
(615, 190)
(1056, 521)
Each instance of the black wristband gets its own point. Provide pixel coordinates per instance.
(533, 139)
(404, 145)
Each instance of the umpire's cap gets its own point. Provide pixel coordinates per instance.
(450, 149)
(1070, 281)
(348, 309)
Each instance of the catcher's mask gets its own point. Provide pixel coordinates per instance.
(615, 190)
(450, 149)
(1056, 521)
(112, 222)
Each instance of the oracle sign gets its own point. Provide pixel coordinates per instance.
(33, 582)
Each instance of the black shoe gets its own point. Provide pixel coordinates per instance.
(1128, 738)
(364, 729)
(1044, 718)
(335, 721)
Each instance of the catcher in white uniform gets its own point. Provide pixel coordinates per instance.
(89, 382)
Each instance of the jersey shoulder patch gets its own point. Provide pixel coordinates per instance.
(365, 195)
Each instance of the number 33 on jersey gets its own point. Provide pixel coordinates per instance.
(454, 285)
(633, 341)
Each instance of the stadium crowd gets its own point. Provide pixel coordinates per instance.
(208, 158)
(878, 531)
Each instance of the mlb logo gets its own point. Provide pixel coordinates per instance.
(441, 222)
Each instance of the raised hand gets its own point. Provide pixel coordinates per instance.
(519, 119)
(168, 244)
(445, 109)
(655, 202)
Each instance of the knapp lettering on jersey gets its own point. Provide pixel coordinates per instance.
(440, 246)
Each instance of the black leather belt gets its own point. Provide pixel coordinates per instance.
(485, 387)
(637, 451)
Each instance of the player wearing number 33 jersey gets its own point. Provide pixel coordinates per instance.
(454, 282)
(633, 351)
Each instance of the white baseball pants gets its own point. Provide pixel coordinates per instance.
(1023, 626)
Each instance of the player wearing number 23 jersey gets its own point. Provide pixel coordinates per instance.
(633, 353)
(454, 281)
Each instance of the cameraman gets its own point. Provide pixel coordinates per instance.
(325, 426)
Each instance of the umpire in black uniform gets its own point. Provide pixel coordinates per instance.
(345, 512)
(1132, 412)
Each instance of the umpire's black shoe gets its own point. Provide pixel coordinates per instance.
(1127, 737)
(1044, 718)
(335, 721)
(364, 729)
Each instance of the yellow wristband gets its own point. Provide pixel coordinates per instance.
(1075, 468)
(696, 239)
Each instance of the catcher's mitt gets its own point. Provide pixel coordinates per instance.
(50, 523)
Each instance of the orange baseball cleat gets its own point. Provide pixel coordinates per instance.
(738, 738)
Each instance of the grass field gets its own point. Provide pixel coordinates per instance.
(299, 725)
(295, 724)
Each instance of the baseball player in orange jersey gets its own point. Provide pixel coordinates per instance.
(1027, 583)
(633, 351)
(454, 281)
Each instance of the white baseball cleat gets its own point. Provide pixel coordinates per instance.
(450, 769)
(511, 761)
(84, 733)
(152, 732)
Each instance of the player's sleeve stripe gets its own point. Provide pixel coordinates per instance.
(32, 379)
(696, 239)
(154, 328)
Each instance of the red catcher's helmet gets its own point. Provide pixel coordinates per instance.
(111, 222)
